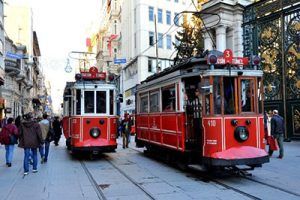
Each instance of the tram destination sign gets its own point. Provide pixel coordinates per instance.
(234, 61)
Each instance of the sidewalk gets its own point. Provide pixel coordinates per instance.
(62, 177)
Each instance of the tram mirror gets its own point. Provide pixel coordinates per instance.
(207, 89)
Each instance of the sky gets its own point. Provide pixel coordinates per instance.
(62, 26)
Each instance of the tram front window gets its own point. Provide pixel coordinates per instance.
(247, 95)
(89, 103)
(229, 100)
(101, 101)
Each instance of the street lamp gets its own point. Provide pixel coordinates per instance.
(68, 67)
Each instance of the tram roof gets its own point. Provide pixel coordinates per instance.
(80, 84)
(183, 65)
(194, 65)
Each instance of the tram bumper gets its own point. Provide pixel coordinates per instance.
(245, 155)
(95, 145)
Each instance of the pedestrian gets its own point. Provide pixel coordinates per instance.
(44, 148)
(277, 131)
(30, 140)
(12, 134)
(125, 130)
(18, 121)
(120, 127)
(57, 130)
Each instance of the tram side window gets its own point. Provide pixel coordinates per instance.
(229, 98)
(217, 95)
(154, 102)
(111, 102)
(78, 102)
(144, 104)
(247, 95)
(101, 101)
(89, 103)
(168, 99)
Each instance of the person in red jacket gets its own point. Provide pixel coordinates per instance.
(13, 139)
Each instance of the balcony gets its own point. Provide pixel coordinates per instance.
(12, 67)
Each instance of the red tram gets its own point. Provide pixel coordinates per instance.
(206, 111)
(89, 108)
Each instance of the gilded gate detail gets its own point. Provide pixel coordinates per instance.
(272, 30)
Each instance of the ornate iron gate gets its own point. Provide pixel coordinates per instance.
(272, 30)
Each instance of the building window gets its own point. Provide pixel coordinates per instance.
(160, 41)
(169, 42)
(151, 13)
(176, 18)
(160, 16)
(115, 52)
(150, 66)
(168, 17)
(134, 16)
(151, 38)
(115, 26)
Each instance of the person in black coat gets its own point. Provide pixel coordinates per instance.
(277, 131)
(57, 130)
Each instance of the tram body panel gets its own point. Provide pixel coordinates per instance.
(66, 127)
(213, 136)
(252, 128)
(163, 129)
(155, 134)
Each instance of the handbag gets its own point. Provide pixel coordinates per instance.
(273, 143)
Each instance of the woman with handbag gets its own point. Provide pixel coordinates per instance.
(13, 133)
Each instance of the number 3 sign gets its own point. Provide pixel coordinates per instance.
(228, 56)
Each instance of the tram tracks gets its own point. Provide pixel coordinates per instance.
(100, 192)
(209, 178)
(273, 186)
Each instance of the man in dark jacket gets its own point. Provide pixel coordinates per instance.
(57, 130)
(30, 140)
(277, 131)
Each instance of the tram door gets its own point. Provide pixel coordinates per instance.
(193, 112)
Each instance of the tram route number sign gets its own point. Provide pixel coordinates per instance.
(228, 58)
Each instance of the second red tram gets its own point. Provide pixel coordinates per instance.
(89, 108)
(204, 111)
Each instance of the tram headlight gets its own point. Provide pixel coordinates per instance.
(241, 133)
(95, 132)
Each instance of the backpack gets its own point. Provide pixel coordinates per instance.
(4, 136)
(51, 135)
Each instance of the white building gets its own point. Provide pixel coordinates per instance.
(138, 41)
(226, 32)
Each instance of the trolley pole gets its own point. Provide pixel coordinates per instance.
(156, 44)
